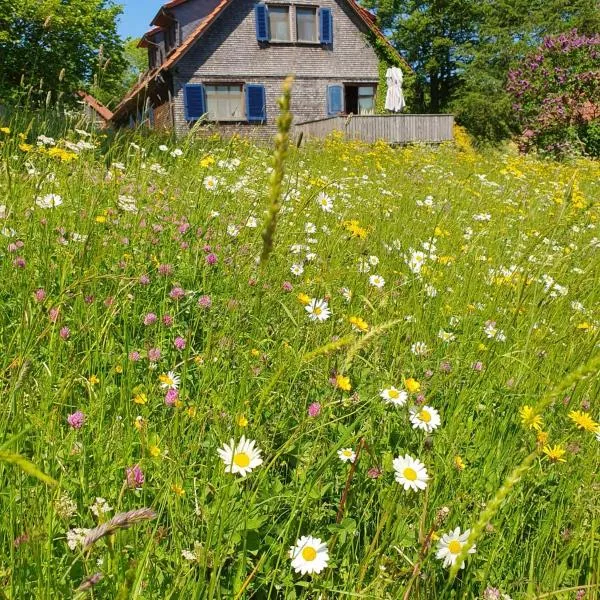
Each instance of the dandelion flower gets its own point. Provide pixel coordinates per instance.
(359, 324)
(529, 418)
(241, 458)
(425, 418)
(555, 454)
(410, 473)
(343, 383)
(450, 547)
(392, 395)
(347, 455)
(412, 385)
(309, 555)
(583, 420)
(318, 310)
(169, 381)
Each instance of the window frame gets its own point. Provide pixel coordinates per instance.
(373, 96)
(218, 118)
(315, 9)
(270, 9)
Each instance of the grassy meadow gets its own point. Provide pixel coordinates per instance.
(419, 353)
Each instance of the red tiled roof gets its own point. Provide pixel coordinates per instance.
(367, 18)
(104, 112)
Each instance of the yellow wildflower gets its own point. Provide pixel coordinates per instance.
(192, 411)
(359, 324)
(459, 463)
(343, 383)
(100, 219)
(177, 489)
(303, 298)
(412, 385)
(4, 130)
(207, 161)
(255, 352)
(118, 369)
(140, 398)
(529, 418)
(154, 451)
(242, 421)
(555, 454)
(542, 438)
(93, 380)
(139, 422)
(23, 147)
(583, 420)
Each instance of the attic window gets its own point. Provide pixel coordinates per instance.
(279, 23)
(306, 25)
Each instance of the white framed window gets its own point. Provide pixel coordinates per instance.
(366, 100)
(307, 29)
(225, 102)
(279, 23)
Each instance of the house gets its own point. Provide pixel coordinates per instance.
(94, 111)
(224, 61)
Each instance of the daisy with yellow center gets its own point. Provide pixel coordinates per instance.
(451, 545)
(169, 381)
(530, 419)
(425, 418)
(410, 473)
(583, 420)
(309, 555)
(347, 455)
(318, 310)
(393, 395)
(240, 458)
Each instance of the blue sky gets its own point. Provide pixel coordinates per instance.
(136, 16)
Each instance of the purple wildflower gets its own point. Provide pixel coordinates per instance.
(171, 397)
(65, 333)
(314, 409)
(165, 270)
(287, 286)
(154, 355)
(179, 343)
(177, 293)
(134, 356)
(211, 259)
(167, 320)
(150, 319)
(144, 279)
(204, 302)
(40, 295)
(76, 420)
(134, 476)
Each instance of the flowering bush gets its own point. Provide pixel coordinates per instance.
(556, 91)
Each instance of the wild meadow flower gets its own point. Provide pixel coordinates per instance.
(76, 537)
(529, 418)
(325, 202)
(211, 259)
(167, 320)
(134, 356)
(359, 324)
(425, 418)
(76, 420)
(347, 455)
(342, 382)
(154, 355)
(309, 555)
(204, 302)
(377, 281)
(241, 458)
(179, 343)
(392, 395)
(554, 453)
(48, 201)
(412, 385)
(211, 183)
(318, 310)
(177, 293)
(165, 270)
(450, 546)
(40, 295)
(297, 269)
(134, 476)
(314, 409)
(169, 381)
(150, 319)
(410, 473)
(171, 397)
(286, 286)
(100, 507)
(583, 420)
(419, 349)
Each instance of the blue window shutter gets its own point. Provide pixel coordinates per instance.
(256, 103)
(262, 22)
(194, 97)
(335, 99)
(326, 26)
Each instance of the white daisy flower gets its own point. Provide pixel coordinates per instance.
(251, 222)
(297, 269)
(325, 202)
(347, 294)
(373, 261)
(163, 148)
(309, 555)
(318, 310)
(49, 201)
(377, 281)
(446, 336)
(233, 230)
(211, 183)
(425, 418)
(177, 152)
(450, 546)
(241, 458)
(347, 455)
(395, 396)
(410, 473)
(170, 381)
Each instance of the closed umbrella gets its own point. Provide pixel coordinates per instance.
(394, 98)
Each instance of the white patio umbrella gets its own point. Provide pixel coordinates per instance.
(394, 98)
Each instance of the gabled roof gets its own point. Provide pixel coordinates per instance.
(104, 112)
(366, 17)
(144, 40)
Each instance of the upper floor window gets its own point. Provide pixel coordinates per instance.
(306, 24)
(279, 23)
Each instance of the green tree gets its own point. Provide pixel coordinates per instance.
(51, 48)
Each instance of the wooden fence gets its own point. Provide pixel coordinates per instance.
(394, 129)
